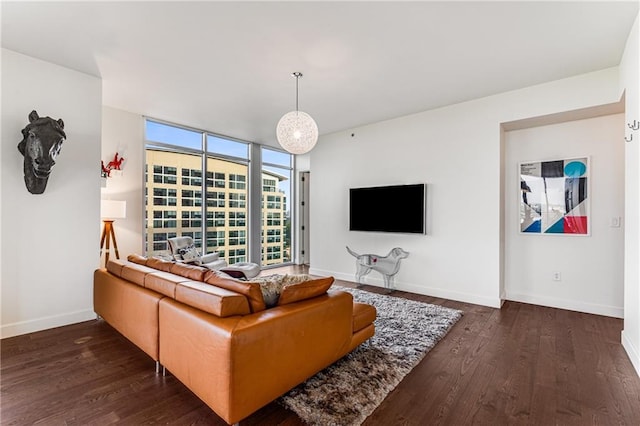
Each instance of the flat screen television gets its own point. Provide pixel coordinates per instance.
(395, 208)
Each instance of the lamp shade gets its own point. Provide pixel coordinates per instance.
(297, 132)
(113, 209)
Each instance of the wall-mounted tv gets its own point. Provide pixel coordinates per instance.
(395, 208)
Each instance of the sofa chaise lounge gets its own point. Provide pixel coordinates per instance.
(217, 335)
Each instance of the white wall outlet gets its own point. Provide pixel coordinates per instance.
(557, 276)
(616, 222)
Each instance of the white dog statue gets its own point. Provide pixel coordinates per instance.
(388, 265)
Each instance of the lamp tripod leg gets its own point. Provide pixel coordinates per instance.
(107, 241)
(115, 245)
(103, 237)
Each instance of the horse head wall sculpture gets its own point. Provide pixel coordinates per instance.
(41, 143)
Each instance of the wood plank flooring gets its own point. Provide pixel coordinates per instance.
(520, 365)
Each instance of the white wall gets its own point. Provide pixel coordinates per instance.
(630, 71)
(123, 132)
(50, 242)
(592, 266)
(457, 151)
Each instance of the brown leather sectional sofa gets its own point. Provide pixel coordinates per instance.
(217, 336)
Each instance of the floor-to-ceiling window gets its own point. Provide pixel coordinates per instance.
(172, 203)
(276, 206)
(226, 198)
(197, 184)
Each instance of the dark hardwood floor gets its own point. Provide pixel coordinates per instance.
(520, 365)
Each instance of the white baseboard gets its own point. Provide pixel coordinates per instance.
(418, 289)
(45, 323)
(570, 305)
(632, 351)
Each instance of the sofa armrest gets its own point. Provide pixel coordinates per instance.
(212, 261)
(215, 265)
(210, 257)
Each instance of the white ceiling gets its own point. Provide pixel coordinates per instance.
(225, 66)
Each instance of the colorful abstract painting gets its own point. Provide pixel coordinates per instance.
(554, 197)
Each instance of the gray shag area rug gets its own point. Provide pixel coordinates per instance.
(347, 392)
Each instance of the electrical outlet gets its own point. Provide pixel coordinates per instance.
(557, 276)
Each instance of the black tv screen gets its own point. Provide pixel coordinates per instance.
(397, 208)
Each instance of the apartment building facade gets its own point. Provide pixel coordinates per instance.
(212, 207)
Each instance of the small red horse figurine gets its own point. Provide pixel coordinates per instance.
(114, 164)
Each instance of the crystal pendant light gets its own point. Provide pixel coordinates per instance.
(296, 131)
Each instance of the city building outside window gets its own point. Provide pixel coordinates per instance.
(277, 171)
(180, 194)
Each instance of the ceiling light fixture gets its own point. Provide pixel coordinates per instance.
(296, 131)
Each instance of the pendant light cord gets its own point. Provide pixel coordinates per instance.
(297, 78)
(297, 75)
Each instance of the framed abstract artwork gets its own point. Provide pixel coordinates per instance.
(554, 197)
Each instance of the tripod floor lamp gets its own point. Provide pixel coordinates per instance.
(109, 211)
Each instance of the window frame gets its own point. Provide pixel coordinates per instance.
(254, 237)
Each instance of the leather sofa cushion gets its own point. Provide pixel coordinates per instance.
(214, 300)
(136, 273)
(159, 264)
(115, 267)
(163, 282)
(297, 291)
(193, 272)
(361, 336)
(136, 258)
(363, 315)
(250, 289)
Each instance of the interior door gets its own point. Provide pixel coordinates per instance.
(304, 219)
